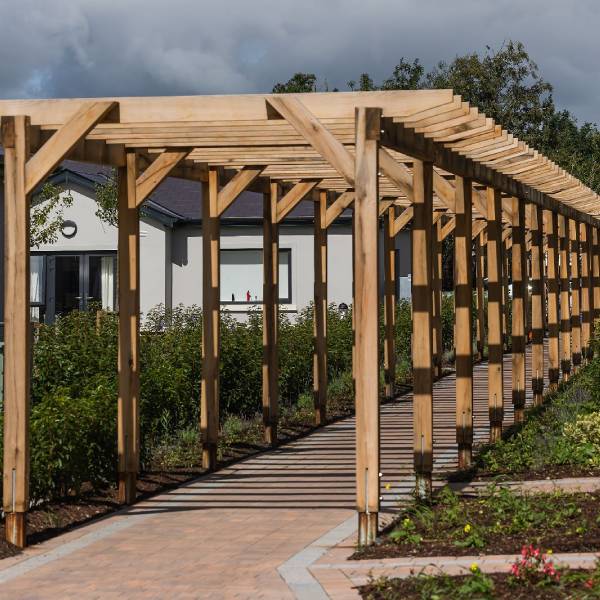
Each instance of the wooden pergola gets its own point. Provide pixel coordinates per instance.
(423, 158)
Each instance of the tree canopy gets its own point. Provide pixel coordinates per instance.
(504, 83)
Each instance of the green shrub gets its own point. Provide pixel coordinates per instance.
(584, 434)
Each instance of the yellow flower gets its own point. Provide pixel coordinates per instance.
(549, 551)
(406, 522)
(467, 528)
(474, 567)
(388, 486)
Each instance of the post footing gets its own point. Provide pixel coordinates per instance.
(495, 432)
(15, 528)
(423, 486)
(465, 456)
(127, 488)
(367, 528)
(209, 456)
(271, 434)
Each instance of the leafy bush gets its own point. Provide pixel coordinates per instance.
(584, 433)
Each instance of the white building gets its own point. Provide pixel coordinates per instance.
(80, 267)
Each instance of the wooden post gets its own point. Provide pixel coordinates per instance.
(437, 299)
(495, 293)
(17, 338)
(595, 276)
(389, 302)
(480, 298)
(551, 229)
(270, 371)
(320, 319)
(587, 300)
(506, 299)
(537, 304)
(565, 300)
(209, 410)
(575, 296)
(129, 331)
(366, 322)
(463, 296)
(422, 339)
(519, 274)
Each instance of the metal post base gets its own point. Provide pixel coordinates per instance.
(15, 529)
(367, 528)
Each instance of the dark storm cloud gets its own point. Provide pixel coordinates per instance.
(134, 47)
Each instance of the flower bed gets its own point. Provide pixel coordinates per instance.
(498, 521)
(532, 576)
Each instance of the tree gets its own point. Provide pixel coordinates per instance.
(107, 200)
(298, 83)
(47, 214)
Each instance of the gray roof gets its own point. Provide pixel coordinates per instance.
(180, 200)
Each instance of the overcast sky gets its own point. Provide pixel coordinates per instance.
(56, 48)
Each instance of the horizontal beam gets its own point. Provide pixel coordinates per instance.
(46, 159)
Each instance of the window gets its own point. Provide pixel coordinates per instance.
(62, 282)
(242, 276)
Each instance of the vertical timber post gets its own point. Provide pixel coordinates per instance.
(270, 371)
(537, 304)
(17, 339)
(565, 300)
(320, 319)
(129, 331)
(437, 298)
(506, 299)
(422, 342)
(575, 295)
(595, 277)
(463, 294)
(519, 275)
(551, 229)
(480, 297)
(366, 321)
(389, 301)
(495, 295)
(209, 410)
(586, 288)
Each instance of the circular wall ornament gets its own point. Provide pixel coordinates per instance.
(68, 229)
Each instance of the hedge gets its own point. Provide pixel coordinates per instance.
(75, 386)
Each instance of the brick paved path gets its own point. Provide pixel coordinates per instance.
(225, 535)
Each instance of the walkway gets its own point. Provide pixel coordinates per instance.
(237, 533)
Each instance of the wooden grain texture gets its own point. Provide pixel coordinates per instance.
(17, 334)
(235, 186)
(575, 279)
(551, 231)
(209, 396)
(422, 324)
(389, 302)
(156, 173)
(565, 297)
(596, 273)
(366, 304)
(479, 293)
(519, 307)
(538, 309)
(587, 300)
(270, 365)
(436, 305)
(292, 198)
(320, 310)
(338, 206)
(60, 144)
(495, 312)
(129, 331)
(463, 294)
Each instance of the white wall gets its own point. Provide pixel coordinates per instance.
(186, 254)
(95, 235)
